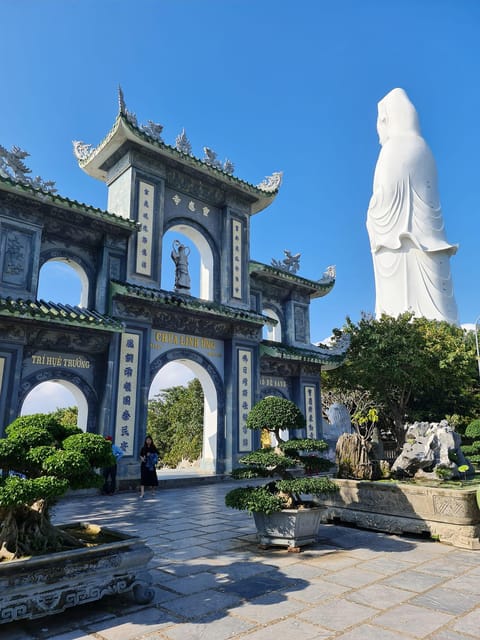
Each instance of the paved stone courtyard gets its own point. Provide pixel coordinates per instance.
(212, 582)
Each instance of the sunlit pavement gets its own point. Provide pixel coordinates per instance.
(213, 582)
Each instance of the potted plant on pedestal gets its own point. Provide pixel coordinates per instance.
(45, 568)
(282, 511)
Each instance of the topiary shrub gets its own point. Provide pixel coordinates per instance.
(40, 460)
(276, 415)
(472, 449)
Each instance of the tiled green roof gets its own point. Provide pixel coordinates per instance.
(57, 313)
(183, 301)
(312, 356)
(6, 184)
(318, 287)
(175, 154)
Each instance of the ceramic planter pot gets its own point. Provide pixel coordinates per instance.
(43, 585)
(292, 528)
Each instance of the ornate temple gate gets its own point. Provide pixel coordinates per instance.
(128, 326)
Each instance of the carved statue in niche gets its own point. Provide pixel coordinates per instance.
(180, 255)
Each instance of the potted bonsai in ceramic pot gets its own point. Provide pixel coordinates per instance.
(283, 513)
(45, 568)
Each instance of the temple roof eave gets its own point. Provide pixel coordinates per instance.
(315, 288)
(57, 313)
(160, 297)
(327, 358)
(95, 163)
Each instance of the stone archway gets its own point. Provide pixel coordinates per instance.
(78, 268)
(213, 450)
(85, 396)
(272, 332)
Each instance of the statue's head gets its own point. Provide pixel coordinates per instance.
(396, 116)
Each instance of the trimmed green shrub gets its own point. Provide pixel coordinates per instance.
(275, 415)
(472, 448)
(40, 460)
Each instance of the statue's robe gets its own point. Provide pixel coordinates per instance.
(411, 255)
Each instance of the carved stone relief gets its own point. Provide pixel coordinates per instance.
(181, 181)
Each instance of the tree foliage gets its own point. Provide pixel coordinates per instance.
(40, 459)
(275, 415)
(175, 421)
(472, 448)
(412, 368)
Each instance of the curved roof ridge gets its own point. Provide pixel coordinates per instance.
(272, 185)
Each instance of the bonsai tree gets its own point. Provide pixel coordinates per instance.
(40, 460)
(275, 415)
(472, 450)
(359, 455)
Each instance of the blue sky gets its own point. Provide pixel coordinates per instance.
(273, 85)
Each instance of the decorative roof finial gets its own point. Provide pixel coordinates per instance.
(210, 158)
(330, 273)
(290, 263)
(228, 166)
(182, 143)
(121, 101)
(122, 108)
(271, 183)
(12, 166)
(81, 150)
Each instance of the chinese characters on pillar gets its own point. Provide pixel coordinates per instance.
(146, 193)
(244, 398)
(237, 259)
(310, 411)
(2, 369)
(127, 392)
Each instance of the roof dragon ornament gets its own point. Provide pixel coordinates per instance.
(290, 263)
(12, 166)
(271, 183)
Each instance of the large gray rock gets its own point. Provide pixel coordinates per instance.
(428, 447)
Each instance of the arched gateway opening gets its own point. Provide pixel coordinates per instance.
(48, 391)
(213, 449)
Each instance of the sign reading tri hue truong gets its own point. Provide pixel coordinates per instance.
(127, 392)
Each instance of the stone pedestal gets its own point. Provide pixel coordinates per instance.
(451, 515)
(43, 585)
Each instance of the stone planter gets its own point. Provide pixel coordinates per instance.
(450, 515)
(43, 585)
(293, 528)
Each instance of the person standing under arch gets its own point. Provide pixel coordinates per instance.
(148, 466)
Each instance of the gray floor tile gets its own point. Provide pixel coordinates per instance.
(469, 623)
(371, 632)
(416, 621)
(447, 600)
(193, 607)
(226, 627)
(379, 596)
(338, 615)
(413, 581)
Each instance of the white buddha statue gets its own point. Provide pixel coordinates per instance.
(405, 224)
